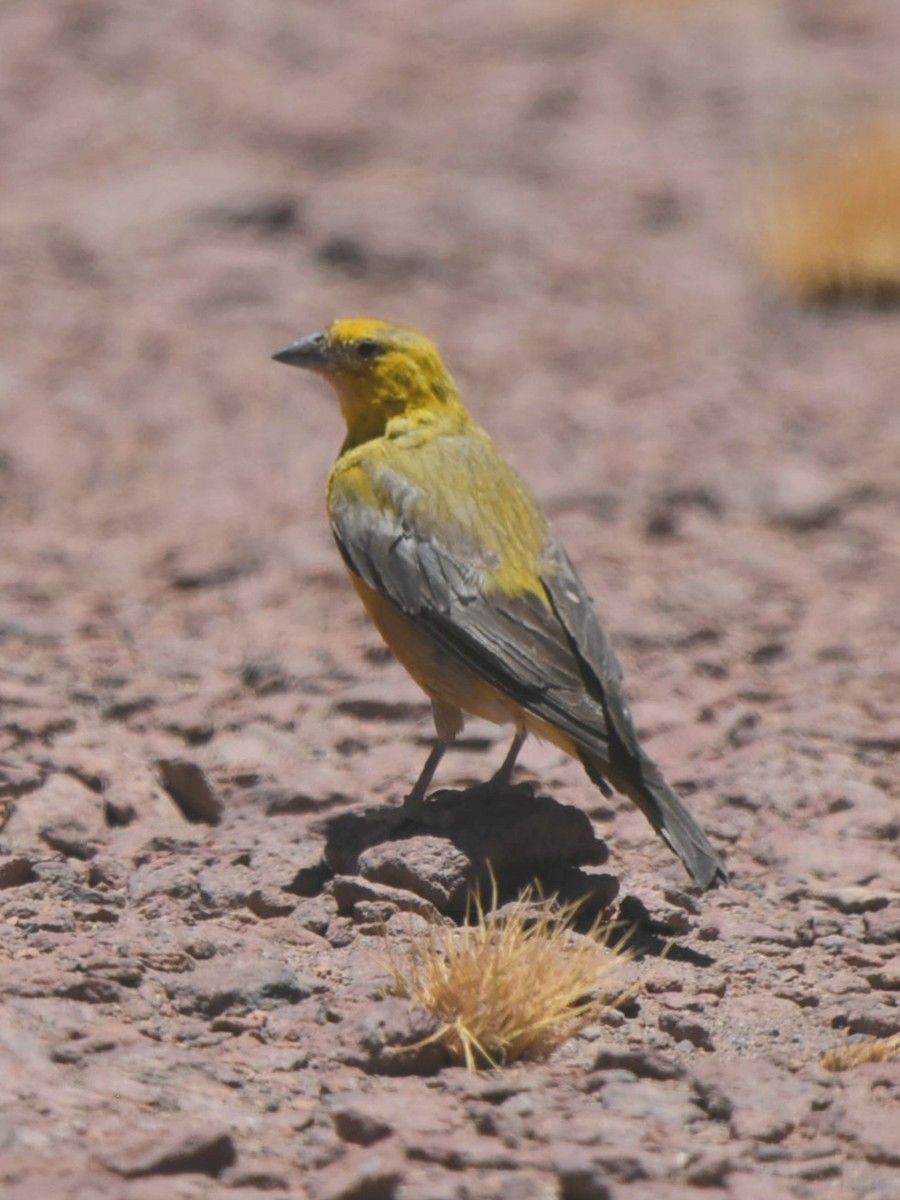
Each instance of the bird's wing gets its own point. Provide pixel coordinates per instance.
(547, 652)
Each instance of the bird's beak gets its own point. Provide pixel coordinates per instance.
(310, 352)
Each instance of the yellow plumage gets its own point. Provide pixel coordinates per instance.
(464, 577)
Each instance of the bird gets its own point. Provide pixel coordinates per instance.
(467, 581)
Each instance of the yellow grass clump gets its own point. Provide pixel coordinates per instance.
(511, 984)
(831, 223)
(853, 1054)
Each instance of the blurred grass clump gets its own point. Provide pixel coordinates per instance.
(511, 983)
(831, 220)
(854, 1054)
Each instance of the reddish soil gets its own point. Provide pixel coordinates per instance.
(561, 194)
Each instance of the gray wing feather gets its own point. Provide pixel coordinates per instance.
(554, 661)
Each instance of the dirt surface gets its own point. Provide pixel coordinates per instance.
(195, 714)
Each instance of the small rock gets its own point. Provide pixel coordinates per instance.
(727, 1091)
(368, 703)
(710, 1169)
(189, 787)
(118, 811)
(579, 1176)
(684, 1028)
(360, 1120)
(856, 899)
(645, 1064)
(91, 990)
(17, 779)
(883, 927)
(887, 979)
(190, 720)
(349, 891)
(15, 869)
(364, 1175)
(297, 868)
(70, 838)
(393, 1040)
(316, 914)
(196, 567)
(62, 811)
(266, 216)
(528, 1185)
(801, 499)
(460, 1150)
(243, 984)
(878, 1136)
(165, 878)
(867, 1016)
(431, 867)
(172, 1151)
(269, 902)
(255, 1175)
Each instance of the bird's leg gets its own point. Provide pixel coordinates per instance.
(416, 798)
(448, 722)
(503, 776)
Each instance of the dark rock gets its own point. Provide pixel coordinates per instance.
(118, 811)
(17, 779)
(856, 899)
(580, 1178)
(685, 1028)
(266, 216)
(189, 787)
(163, 878)
(172, 1151)
(70, 838)
(645, 1064)
(392, 1039)
(360, 1119)
(242, 984)
(196, 569)
(92, 991)
(371, 704)
(15, 869)
(269, 902)
(462, 1151)
(710, 1169)
(62, 812)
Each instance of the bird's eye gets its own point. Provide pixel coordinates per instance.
(367, 348)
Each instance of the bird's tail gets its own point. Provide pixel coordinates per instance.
(643, 782)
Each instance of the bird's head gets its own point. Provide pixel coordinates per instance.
(379, 372)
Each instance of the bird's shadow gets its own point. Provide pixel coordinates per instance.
(512, 836)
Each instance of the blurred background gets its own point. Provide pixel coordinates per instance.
(658, 244)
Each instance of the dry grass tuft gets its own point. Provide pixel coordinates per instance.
(831, 224)
(511, 984)
(872, 1050)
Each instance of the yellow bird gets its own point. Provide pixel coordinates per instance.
(466, 580)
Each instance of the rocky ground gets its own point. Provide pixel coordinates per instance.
(196, 718)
